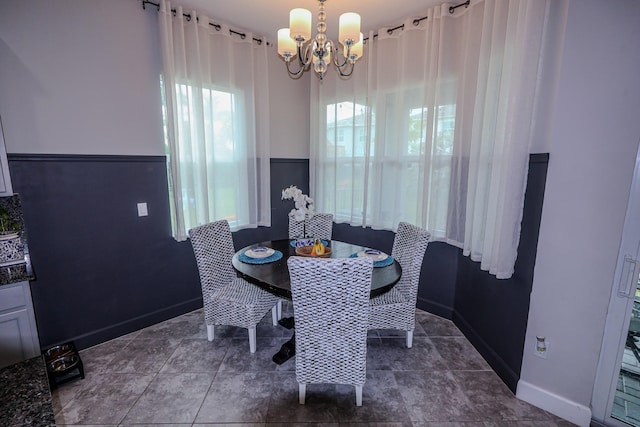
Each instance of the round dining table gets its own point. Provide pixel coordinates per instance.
(274, 276)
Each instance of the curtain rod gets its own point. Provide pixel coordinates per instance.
(418, 20)
(218, 27)
(259, 41)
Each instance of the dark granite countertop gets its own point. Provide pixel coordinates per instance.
(15, 273)
(25, 399)
(20, 270)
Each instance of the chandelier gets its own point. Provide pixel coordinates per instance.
(292, 41)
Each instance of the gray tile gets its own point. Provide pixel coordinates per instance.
(436, 326)
(378, 424)
(433, 396)
(480, 386)
(231, 425)
(160, 376)
(197, 355)
(153, 425)
(449, 424)
(392, 354)
(491, 399)
(239, 359)
(301, 424)
(104, 399)
(381, 401)
(320, 402)
(237, 397)
(396, 333)
(458, 353)
(98, 358)
(538, 423)
(65, 393)
(91, 425)
(171, 398)
(143, 356)
(188, 325)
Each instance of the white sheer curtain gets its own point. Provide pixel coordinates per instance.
(435, 126)
(217, 126)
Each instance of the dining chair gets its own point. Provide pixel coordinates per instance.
(227, 299)
(331, 306)
(319, 226)
(396, 309)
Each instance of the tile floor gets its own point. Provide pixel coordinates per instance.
(169, 374)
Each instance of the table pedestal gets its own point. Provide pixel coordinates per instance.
(288, 349)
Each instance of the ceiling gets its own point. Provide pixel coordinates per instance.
(264, 18)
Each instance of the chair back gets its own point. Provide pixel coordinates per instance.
(331, 310)
(409, 247)
(213, 247)
(320, 226)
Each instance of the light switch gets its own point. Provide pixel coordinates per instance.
(142, 209)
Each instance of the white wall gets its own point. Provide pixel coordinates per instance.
(289, 101)
(593, 142)
(79, 77)
(82, 77)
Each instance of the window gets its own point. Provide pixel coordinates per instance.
(216, 166)
(216, 125)
(405, 173)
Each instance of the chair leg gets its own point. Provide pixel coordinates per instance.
(210, 334)
(252, 339)
(279, 305)
(302, 392)
(409, 339)
(358, 395)
(274, 315)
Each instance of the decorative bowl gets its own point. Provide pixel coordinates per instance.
(307, 241)
(306, 251)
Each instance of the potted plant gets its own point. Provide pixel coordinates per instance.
(11, 247)
(8, 227)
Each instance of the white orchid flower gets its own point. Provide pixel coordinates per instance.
(303, 203)
(298, 215)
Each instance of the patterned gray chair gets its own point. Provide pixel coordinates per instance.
(331, 307)
(228, 299)
(320, 226)
(396, 309)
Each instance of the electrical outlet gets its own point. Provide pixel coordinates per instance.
(542, 347)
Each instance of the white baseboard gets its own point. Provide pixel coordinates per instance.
(557, 405)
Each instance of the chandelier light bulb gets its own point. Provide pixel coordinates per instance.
(286, 45)
(349, 29)
(300, 24)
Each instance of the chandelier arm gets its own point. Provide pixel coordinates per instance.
(304, 58)
(335, 56)
(296, 74)
(350, 70)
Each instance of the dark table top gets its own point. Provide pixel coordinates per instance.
(274, 276)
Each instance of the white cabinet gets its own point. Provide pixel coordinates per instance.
(18, 332)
